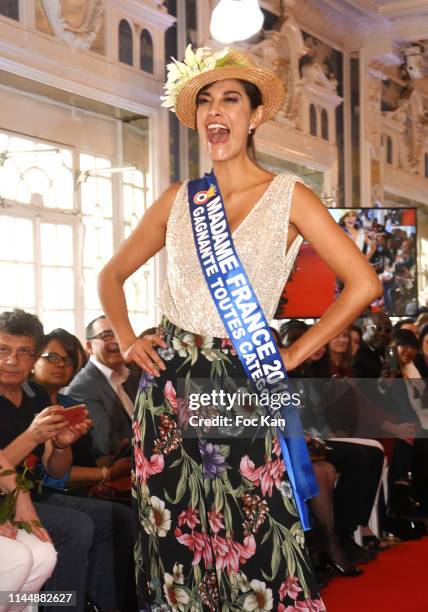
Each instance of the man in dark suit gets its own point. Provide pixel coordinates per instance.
(107, 387)
(370, 365)
(376, 337)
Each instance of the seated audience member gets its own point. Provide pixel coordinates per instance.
(404, 392)
(377, 332)
(30, 425)
(27, 559)
(370, 363)
(106, 386)
(332, 553)
(321, 506)
(359, 461)
(409, 324)
(291, 330)
(54, 370)
(351, 504)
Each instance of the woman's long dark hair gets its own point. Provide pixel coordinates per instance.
(345, 366)
(256, 100)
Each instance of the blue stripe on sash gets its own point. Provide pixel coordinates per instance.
(247, 327)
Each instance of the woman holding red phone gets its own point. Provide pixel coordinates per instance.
(112, 546)
(54, 369)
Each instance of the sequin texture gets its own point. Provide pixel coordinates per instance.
(261, 243)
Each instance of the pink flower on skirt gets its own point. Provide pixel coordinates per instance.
(189, 517)
(136, 429)
(289, 587)
(226, 343)
(276, 447)
(272, 474)
(145, 468)
(266, 476)
(229, 554)
(197, 542)
(215, 520)
(249, 470)
(171, 395)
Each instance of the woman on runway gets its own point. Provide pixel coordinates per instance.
(220, 517)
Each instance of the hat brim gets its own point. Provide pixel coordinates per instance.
(271, 87)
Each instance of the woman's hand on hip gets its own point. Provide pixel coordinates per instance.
(143, 353)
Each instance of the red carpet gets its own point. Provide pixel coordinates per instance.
(396, 582)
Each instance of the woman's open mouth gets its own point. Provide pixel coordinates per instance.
(218, 133)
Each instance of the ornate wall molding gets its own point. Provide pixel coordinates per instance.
(374, 113)
(283, 49)
(373, 132)
(408, 126)
(348, 28)
(81, 37)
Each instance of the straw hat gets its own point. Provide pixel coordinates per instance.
(202, 67)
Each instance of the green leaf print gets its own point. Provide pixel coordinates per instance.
(227, 518)
(193, 491)
(267, 534)
(291, 560)
(176, 463)
(218, 494)
(276, 555)
(181, 489)
(289, 505)
(197, 573)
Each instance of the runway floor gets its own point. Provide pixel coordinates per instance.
(397, 581)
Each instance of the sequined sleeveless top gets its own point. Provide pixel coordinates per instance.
(261, 243)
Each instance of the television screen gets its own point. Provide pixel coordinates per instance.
(387, 237)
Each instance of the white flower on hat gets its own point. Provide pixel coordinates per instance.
(194, 63)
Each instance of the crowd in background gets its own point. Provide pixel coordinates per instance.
(363, 400)
(390, 247)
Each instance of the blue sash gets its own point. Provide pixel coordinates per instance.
(248, 329)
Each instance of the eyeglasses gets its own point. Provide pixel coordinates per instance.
(56, 358)
(381, 328)
(22, 354)
(105, 336)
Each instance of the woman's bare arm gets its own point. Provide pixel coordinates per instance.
(361, 284)
(146, 240)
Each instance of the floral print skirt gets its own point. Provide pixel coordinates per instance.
(216, 523)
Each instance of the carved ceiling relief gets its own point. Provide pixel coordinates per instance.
(78, 23)
(374, 114)
(373, 132)
(404, 102)
(276, 50)
(284, 48)
(411, 119)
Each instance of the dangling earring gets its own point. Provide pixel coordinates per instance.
(250, 129)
